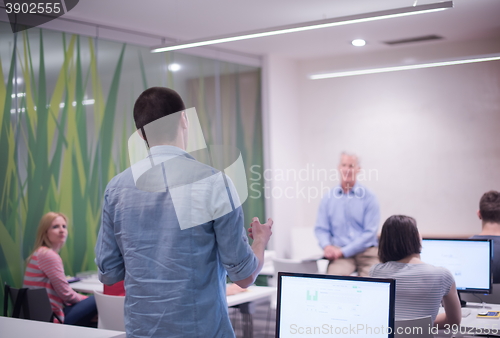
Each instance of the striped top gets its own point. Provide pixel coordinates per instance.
(419, 287)
(45, 270)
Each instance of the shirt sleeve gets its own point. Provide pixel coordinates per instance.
(448, 281)
(109, 260)
(235, 253)
(322, 227)
(373, 269)
(371, 222)
(51, 264)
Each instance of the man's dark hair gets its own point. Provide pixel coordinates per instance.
(489, 207)
(399, 239)
(155, 103)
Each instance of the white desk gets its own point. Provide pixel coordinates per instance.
(241, 300)
(87, 285)
(22, 328)
(471, 324)
(252, 294)
(480, 325)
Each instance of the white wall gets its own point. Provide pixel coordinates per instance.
(430, 136)
(282, 144)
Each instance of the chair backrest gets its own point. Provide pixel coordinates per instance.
(291, 265)
(110, 311)
(304, 244)
(492, 298)
(27, 303)
(413, 328)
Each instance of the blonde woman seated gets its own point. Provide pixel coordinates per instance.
(420, 287)
(45, 270)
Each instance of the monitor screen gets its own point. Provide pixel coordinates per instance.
(469, 260)
(321, 305)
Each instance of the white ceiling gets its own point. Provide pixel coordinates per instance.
(193, 19)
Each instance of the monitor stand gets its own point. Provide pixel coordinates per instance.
(463, 303)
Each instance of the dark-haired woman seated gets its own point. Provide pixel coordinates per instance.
(420, 287)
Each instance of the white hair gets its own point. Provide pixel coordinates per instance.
(351, 154)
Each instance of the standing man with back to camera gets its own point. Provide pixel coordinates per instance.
(347, 223)
(175, 279)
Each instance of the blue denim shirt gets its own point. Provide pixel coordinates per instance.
(349, 221)
(174, 279)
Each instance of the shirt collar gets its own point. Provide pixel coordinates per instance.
(169, 150)
(166, 149)
(338, 191)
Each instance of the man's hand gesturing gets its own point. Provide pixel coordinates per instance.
(260, 232)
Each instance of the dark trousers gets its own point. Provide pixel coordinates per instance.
(81, 313)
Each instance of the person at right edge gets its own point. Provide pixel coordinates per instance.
(489, 214)
(347, 223)
(175, 280)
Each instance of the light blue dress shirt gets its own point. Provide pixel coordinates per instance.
(175, 280)
(349, 221)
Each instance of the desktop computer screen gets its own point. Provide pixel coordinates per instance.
(469, 260)
(320, 305)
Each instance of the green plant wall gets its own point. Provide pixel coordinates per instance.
(61, 172)
(66, 117)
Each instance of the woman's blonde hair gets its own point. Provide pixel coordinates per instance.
(41, 235)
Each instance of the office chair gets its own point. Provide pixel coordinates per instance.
(413, 328)
(110, 311)
(33, 304)
(304, 244)
(292, 265)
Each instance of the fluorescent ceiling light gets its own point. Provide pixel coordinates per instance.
(398, 68)
(85, 102)
(346, 20)
(358, 42)
(173, 67)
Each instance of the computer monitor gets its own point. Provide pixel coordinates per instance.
(320, 305)
(469, 260)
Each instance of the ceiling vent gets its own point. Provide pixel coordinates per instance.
(416, 39)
